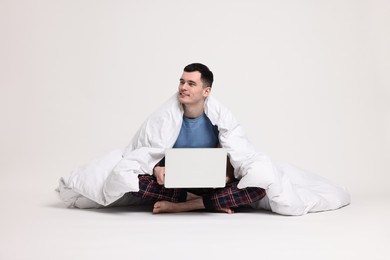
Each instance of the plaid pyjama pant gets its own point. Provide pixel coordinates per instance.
(213, 199)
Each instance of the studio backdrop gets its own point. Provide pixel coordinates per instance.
(308, 80)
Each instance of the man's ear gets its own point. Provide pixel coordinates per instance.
(206, 91)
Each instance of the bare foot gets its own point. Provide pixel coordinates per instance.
(226, 210)
(191, 196)
(164, 207)
(190, 205)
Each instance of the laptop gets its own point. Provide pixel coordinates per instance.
(195, 167)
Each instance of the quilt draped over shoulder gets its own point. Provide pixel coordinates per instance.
(290, 190)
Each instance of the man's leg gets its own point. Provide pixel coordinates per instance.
(150, 190)
(223, 200)
(232, 197)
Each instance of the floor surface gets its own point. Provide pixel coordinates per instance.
(38, 226)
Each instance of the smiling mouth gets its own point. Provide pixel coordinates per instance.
(183, 94)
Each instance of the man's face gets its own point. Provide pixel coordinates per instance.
(191, 88)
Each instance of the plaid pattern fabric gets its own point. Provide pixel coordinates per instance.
(213, 199)
(231, 196)
(149, 189)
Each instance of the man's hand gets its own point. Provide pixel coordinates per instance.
(159, 173)
(229, 172)
(228, 180)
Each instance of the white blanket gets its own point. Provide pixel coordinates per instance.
(290, 191)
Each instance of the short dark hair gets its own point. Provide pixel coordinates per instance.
(207, 76)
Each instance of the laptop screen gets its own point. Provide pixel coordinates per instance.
(195, 167)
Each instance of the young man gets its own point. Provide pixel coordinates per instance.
(197, 131)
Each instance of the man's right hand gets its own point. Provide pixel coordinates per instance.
(159, 173)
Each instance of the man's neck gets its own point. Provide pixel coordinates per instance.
(193, 111)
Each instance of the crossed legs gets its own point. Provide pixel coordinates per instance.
(194, 202)
(181, 200)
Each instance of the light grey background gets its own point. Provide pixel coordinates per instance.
(308, 80)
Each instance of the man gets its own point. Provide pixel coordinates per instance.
(193, 118)
(197, 131)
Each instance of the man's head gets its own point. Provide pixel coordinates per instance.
(195, 84)
(207, 76)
